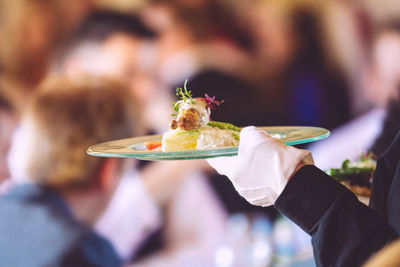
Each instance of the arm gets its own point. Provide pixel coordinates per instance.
(130, 217)
(385, 194)
(344, 231)
(191, 238)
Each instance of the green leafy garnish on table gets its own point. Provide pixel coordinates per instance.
(365, 165)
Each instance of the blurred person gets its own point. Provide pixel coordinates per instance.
(193, 219)
(293, 63)
(75, 11)
(383, 84)
(375, 129)
(123, 37)
(60, 190)
(8, 122)
(161, 226)
(390, 126)
(344, 231)
(12, 103)
(33, 33)
(208, 18)
(318, 91)
(190, 44)
(381, 79)
(351, 47)
(26, 52)
(114, 44)
(117, 45)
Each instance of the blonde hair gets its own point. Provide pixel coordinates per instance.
(67, 118)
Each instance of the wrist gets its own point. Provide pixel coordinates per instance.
(298, 167)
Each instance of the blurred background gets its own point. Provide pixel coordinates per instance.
(332, 64)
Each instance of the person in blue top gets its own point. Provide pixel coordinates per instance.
(59, 190)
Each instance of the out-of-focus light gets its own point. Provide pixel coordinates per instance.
(224, 257)
(261, 250)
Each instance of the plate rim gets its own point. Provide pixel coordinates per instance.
(188, 154)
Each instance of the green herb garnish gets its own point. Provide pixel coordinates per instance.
(224, 126)
(236, 136)
(185, 95)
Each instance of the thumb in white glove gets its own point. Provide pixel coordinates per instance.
(262, 167)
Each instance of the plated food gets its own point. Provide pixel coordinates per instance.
(137, 147)
(192, 127)
(357, 175)
(193, 135)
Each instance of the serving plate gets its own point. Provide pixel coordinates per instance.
(135, 148)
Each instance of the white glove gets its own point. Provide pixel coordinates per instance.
(262, 167)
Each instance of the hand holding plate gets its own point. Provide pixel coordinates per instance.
(262, 167)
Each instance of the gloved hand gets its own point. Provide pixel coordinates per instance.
(262, 167)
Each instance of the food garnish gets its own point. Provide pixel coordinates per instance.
(357, 175)
(185, 96)
(211, 102)
(152, 145)
(224, 126)
(192, 127)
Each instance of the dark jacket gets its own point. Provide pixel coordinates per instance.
(37, 229)
(344, 231)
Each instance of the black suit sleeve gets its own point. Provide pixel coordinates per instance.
(387, 171)
(344, 231)
(386, 185)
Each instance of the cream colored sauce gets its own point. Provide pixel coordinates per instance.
(214, 137)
